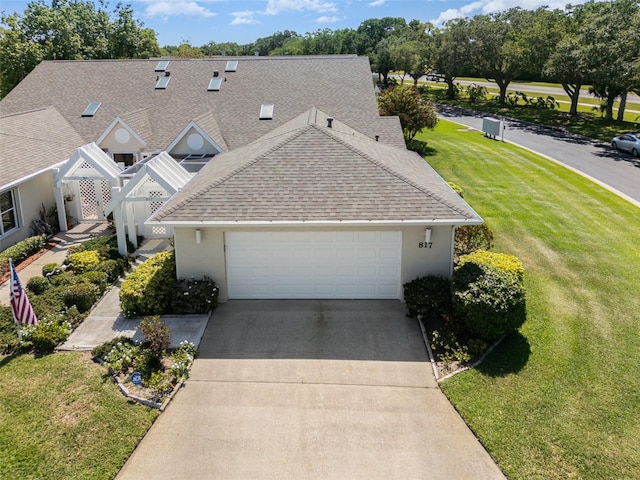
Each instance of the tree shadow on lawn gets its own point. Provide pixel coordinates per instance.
(510, 356)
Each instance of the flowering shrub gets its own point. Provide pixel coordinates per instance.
(45, 336)
(122, 356)
(182, 359)
(84, 261)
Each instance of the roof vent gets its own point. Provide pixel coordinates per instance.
(91, 109)
(216, 73)
(329, 122)
(266, 111)
(167, 73)
(377, 137)
(256, 53)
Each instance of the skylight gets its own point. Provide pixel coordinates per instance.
(162, 83)
(214, 84)
(162, 65)
(232, 66)
(91, 109)
(266, 111)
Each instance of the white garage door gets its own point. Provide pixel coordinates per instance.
(339, 264)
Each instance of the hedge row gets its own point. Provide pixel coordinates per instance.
(148, 290)
(20, 251)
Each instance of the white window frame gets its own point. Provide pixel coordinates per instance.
(14, 210)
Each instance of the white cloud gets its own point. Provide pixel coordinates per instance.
(246, 17)
(274, 7)
(168, 8)
(377, 3)
(486, 7)
(325, 19)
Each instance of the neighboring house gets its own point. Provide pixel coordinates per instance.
(301, 189)
(33, 145)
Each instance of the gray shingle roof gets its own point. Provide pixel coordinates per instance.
(340, 85)
(305, 171)
(33, 141)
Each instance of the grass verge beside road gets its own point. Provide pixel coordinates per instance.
(61, 419)
(562, 398)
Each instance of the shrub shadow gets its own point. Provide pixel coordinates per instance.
(510, 356)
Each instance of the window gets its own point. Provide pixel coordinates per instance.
(8, 211)
(214, 84)
(127, 159)
(266, 111)
(232, 66)
(162, 65)
(162, 82)
(91, 109)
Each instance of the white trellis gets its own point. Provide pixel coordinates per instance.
(145, 187)
(83, 184)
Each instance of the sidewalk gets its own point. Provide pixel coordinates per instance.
(105, 320)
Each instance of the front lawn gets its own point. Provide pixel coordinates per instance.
(562, 398)
(62, 418)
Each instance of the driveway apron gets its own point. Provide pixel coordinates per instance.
(306, 390)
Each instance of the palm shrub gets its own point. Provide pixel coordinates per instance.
(489, 301)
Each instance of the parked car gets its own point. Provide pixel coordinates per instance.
(629, 142)
(434, 77)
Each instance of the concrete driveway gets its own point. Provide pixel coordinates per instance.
(310, 389)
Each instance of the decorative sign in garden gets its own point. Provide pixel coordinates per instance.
(136, 378)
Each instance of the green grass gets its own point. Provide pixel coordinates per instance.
(561, 399)
(61, 419)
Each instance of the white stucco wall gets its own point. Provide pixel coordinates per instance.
(208, 257)
(32, 195)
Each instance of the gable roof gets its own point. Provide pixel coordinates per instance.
(34, 141)
(338, 84)
(307, 172)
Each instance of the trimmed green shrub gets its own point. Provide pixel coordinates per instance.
(20, 251)
(37, 285)
(106, 245)
(470, 238)
(490, 301)
(429, 295)
(84, 261)
(50, 302)
(148, 289)
(51, 269)
(502, 261)
(456, 188)
(47, 335)
(74, 316)
(112, 268)
(64, 279)
(82, 295)
(194, 296)
(99, 279)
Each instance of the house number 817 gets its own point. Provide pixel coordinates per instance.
(425, 244)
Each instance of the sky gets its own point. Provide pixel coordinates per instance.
(243, 21)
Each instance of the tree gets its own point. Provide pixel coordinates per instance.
(406, 102)
(69, 30)
(372, 31)
(610, 32)
(452, 52)
(381, 61)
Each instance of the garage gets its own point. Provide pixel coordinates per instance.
(313, 264)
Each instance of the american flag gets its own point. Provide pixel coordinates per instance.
(20, 306)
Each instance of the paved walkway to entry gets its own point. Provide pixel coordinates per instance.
(310, 390)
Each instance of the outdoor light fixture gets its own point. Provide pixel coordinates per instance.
(427, 235)
(198, 235)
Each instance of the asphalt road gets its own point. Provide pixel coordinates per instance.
(619, 172)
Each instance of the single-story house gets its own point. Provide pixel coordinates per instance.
(33, 145)
(289, 185)
(315, 209)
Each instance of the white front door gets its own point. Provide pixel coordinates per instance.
(314, 264)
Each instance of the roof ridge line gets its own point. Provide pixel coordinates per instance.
(40, 109)
(394, 172)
